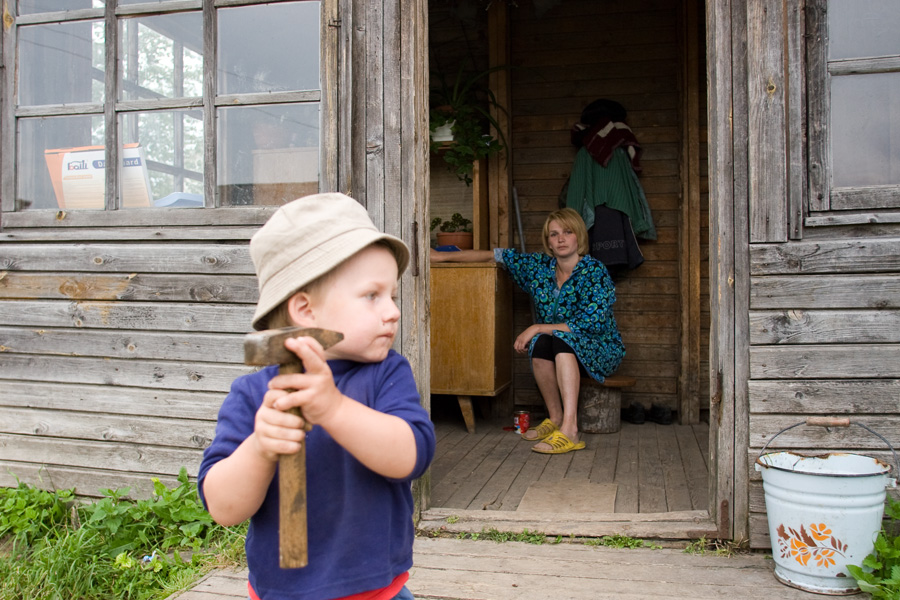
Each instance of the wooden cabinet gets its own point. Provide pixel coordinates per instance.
(471, 332)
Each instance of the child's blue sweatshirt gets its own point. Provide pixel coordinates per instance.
(360, 523)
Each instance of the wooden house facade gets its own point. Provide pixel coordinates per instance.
(770, 294)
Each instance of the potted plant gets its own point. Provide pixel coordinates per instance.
(457, 231)
(463, 107)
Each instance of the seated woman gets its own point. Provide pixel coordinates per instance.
(576, 331)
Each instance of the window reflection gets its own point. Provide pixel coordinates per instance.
(861, 29)
(28, 7)
(865, 130)
(161, 57)
(62, 63)
(162, 162)
(122, 2)
(267, 154)
(268, 48)
(53, 169)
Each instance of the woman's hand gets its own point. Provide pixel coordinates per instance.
(524, 338)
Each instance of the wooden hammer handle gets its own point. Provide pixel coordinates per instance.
(293, 550)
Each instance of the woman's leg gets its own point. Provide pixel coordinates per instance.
(545, 377)
(568, 379)
(558, 375)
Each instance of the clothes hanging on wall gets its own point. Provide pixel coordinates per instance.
(612, 241)
(615, 185)
(604, 136)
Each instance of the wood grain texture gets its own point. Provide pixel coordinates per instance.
(477, 570)
(470, 346)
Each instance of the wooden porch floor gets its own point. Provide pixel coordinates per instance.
(452, 569)
(657, 468)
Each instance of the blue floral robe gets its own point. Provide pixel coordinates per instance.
(584, 304)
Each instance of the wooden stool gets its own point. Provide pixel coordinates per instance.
(600, 404)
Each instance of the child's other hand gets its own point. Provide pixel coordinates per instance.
(276, 432)
(314, 389)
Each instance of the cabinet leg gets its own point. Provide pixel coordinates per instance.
(465, 405)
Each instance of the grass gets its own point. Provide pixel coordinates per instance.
(726, 548)
(495, 535)
(536, 537)
(620, 541)
(113, 548)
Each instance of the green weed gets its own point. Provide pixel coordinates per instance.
(704, 546)
(494, 535)
(620, 541)
(879, 573)
(113, 548)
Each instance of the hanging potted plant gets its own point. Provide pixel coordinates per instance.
(464, 107)
(457, 231)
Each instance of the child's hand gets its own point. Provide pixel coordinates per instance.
(314, 390)
(276, 432)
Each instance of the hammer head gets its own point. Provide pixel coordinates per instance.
(267, 347)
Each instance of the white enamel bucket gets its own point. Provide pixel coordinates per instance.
(824, 512)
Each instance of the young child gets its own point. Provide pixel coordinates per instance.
(322, 263)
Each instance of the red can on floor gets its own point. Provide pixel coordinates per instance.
(522, 421)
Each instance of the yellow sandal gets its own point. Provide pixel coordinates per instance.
(559, 444)
(542, 431)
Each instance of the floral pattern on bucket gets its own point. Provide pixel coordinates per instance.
(817, 543)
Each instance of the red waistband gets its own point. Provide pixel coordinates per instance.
(385, 593)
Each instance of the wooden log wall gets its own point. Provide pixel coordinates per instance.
(824, 339)
(705, 310)
(118, 346)
(564, 58)
(820, 335)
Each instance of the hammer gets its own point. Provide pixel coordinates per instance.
(267, 348)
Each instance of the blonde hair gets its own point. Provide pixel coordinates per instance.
(570, 219)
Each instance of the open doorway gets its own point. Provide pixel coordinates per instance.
(563, 54)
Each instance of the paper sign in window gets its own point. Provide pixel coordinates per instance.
(79, 176)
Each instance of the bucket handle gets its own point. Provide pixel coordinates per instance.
(827, 422)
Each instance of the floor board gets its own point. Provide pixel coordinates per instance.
(658, 468)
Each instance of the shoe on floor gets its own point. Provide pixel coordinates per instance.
(660, 414)
(559, 444)
(541, 432)
(634, 413)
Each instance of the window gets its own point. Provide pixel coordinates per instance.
(192, 114)
(854, 100)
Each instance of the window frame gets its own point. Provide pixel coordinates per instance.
(112, 108)
(828, 205)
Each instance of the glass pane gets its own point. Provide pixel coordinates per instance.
(57, 165)
(267, 154)
(861, 28)
(268, 48)
(161, 57)
(28, 7)
(122, 2)
(61, 64)
(162, 159)
(865, 129)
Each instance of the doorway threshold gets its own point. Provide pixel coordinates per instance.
(680, 525)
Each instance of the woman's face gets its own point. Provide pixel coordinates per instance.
(562, 241)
